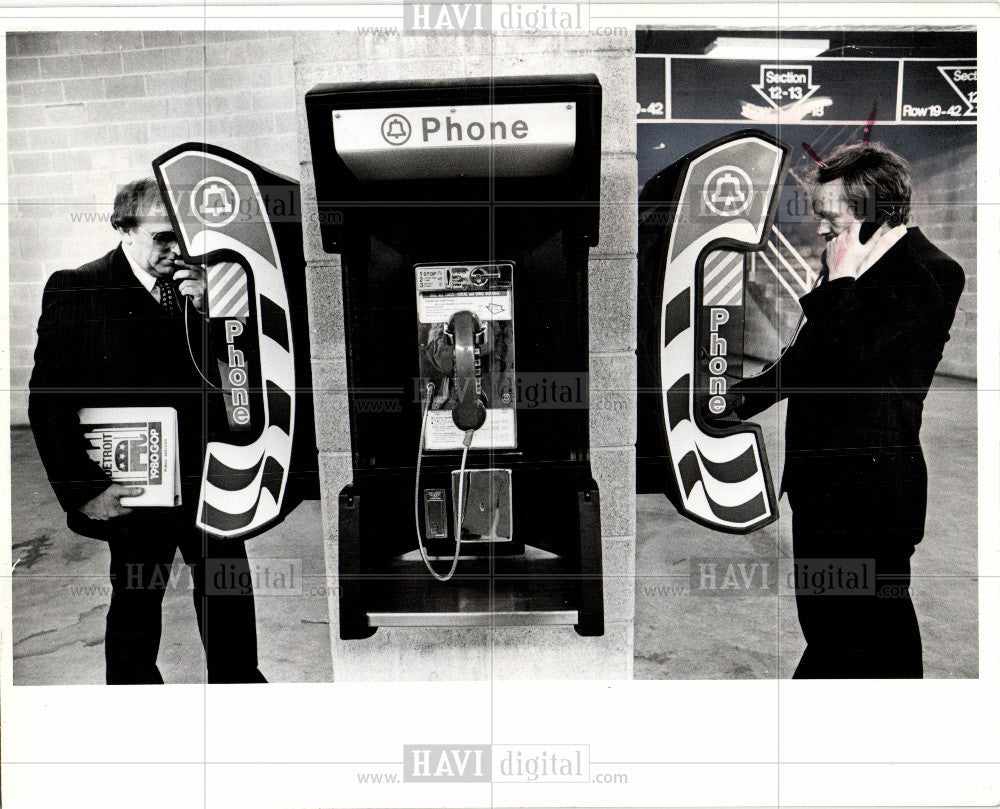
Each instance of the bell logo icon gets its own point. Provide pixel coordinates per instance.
(396, 130)
(215, 202)
(728, 191)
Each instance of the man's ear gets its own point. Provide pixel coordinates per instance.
(128, 236)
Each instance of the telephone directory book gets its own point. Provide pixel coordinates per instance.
(136, 446)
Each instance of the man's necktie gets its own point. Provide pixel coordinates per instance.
(168, 297)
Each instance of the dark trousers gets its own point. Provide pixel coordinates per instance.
(142, 553)
(852, 590)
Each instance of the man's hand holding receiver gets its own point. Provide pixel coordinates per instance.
(845, 253)
(190, 281)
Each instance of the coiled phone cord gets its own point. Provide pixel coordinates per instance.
(459, 516)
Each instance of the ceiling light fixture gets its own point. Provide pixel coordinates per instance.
(766, 48)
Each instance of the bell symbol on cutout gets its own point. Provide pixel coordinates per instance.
(728, 191)
(215, 201)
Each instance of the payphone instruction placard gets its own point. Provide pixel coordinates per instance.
(485, 290)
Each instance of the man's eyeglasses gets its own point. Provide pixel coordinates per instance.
(163, 237)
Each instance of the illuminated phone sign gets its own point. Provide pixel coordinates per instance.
(397, 129)
(507, 140)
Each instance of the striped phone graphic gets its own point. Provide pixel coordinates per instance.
(221, 209)
(700, 220)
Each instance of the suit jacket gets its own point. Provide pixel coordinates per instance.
(104, 341)
(856, 378)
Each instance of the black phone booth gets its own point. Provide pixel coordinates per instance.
(463, 212)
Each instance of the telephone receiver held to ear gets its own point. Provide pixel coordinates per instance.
(877, 212)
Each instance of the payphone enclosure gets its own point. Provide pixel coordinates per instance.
(463, 212)
(699, 220)
(244, 223)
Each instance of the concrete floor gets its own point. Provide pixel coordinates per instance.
(61, 590)
(681, 636)
(61, 594)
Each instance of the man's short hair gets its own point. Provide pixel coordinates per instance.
(133, 201)
(871, 171)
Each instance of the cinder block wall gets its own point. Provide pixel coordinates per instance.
(946, 213)
(504, 652)
(89, 111)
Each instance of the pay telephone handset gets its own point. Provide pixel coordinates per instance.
(464, 321)
(465, 335)
(877, 212)
(466, 332)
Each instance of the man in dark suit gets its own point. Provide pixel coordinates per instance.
(115, 333)
(856, 377)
